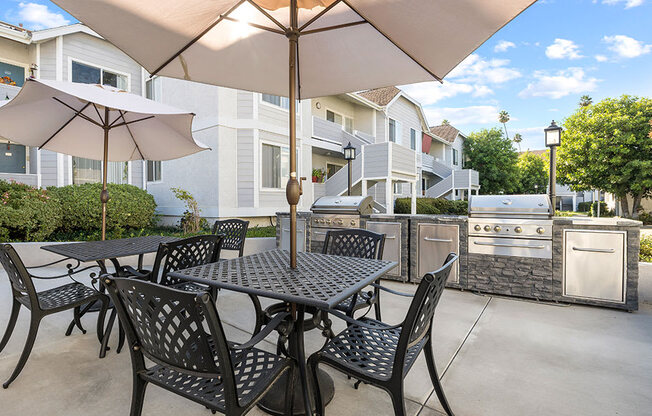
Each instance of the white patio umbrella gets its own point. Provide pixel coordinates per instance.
(329, 46)
(96, 122)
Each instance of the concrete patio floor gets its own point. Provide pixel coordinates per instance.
(496, 356)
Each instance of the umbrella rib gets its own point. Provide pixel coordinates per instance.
(199, 36)
(257, 26)
(131, 134)
(126, 123)
(100, 117)
(77, 113)
(320, 14)
(267, 15)
(343, 25)
(392, 41)
(118, 118)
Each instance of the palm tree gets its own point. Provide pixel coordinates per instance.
(585, 101)
(503, 117)
(445, 122)
(518, 139)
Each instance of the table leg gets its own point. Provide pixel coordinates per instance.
(298, 350)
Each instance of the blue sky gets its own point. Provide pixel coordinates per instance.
(536, 67)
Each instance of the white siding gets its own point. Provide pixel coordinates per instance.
(245, 104)
(246, 168)
(48, 168)
(381, 122)
(407, 114)
(48, 69)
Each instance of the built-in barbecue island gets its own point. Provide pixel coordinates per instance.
(508, 245)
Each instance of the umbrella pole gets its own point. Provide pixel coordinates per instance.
(293, 189)
(104, 195)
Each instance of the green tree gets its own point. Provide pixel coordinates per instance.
(503, 117)
(607, 146)
(532, 173)
(518, 139)
(492, 154)
(585, 101)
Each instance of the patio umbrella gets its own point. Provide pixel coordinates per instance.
(96, 122)
(297, 48)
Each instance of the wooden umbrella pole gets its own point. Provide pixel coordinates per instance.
(293, 189)
(104, 195)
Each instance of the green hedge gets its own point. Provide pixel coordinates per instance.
(432, 206)
(27, 213)
(584, 206)
(645, 217)
(129, 207)
(604, 210)
(646, 249)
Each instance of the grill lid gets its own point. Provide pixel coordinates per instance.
(361, 205)
(510, 206)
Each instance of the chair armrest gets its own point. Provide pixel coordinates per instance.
(135, 273)
(68, 266)
(266, 330)
(393, 292)
(69, 273)
(357, 322)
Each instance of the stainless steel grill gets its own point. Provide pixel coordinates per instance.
(510, 206)
(336, 212)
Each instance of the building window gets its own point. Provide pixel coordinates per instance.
(345, 122)
(153, 171)
(413, 139)
(331, 169)
(12, 74)
(150, 91)
(88, 74)
(392, 130)
(275, 168)
(455, 158)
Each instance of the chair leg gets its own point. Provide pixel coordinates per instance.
(138, 396)
(398, 402)
(15, 309)
(29, 343)
(77, 319)
(289, 392)
(434, 377)
(313, 363)
(107, 334)
(101, 316)
(121, 337)
(377, 303)
(258, 310)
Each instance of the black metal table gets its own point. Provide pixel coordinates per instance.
(320, 281)
(112, 250)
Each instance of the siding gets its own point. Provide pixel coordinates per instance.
(276, 116)
(381, 120)
(48, 69)
(245, 105)
(375, 160)
(33, 159)
(245, 167)
(48, 168)
(407, 114)
(137, 172)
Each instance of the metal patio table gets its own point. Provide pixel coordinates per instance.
(112, 250)
(320, 281)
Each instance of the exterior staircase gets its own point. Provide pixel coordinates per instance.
(451, 179)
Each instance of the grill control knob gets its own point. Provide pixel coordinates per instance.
(540, 230)
(487, 228)
(340, 222)
(353, 222)
(518, 229)
(477, 227)
(497, 228)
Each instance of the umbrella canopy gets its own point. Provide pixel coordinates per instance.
(44, 114)
(325, 46)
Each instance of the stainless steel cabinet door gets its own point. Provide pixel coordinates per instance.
(392, 250)
(434, 244)
(594, 265)
(301, 234)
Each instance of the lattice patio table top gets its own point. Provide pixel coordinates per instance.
(109, 249)
(319, 280)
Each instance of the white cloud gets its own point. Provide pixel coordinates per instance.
(431, 92)
(628, 3)
(482, 91)
(477, 70)
(560, 84)
(503, 45)
(563, 48)
(479, 114)
(626, 47)
(601, 58)
(38, 16)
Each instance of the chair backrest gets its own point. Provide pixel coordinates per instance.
(171, 327)
(234, 232)
(181, 254)
(354, 243)
(418, 321)
(20, 279)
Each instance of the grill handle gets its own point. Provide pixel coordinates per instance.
(483, 243)
(390, 237)
(438, 240)
(595, 250)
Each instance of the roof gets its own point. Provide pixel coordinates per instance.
(16, 33)
(380, 96)
(46, 34)
(446, 132)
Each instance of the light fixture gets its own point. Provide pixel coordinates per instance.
(318, 105)
(553, 134)
(349, 152)
(553, 139)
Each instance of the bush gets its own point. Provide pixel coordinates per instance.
(432, 206)
(584, 206)
(645, 217)
(646, 249)
(604, 210)
(27, 213)
(129, 207)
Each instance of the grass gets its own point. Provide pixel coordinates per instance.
(570, 214)
(646, 249)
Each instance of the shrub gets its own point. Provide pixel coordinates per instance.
(191, 221)
(646, 249)
(128, 207)
(432, 206)
(584, 206)
(645, 217)
(27, 213)
(604, 210)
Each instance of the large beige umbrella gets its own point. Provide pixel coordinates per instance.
(96, 122)
(331, 46)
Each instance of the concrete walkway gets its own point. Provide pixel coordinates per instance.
(496, 356)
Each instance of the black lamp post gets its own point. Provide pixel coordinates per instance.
(553, 139)
(349, 155)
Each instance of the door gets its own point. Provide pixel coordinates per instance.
(392, 249)
(594, 265)
(285, 234)
(435, 241)
(12, 158)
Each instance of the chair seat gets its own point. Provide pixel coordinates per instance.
(191, 287)
(254, 370)
(66, 296)
(367, 351)
(363, 300)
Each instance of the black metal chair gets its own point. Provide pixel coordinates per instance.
(357, 243)
(41, 304)
(381, 354)
(181, 333)
(234, 232)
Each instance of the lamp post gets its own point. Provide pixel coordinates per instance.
(349, 155)
(553, 139)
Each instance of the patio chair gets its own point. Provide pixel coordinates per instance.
(41, 304)
(382, 355)
(181, 333)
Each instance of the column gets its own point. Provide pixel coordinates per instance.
(413, 209)
(389, 195)
(363, 183)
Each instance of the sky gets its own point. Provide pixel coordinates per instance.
(536, 68)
